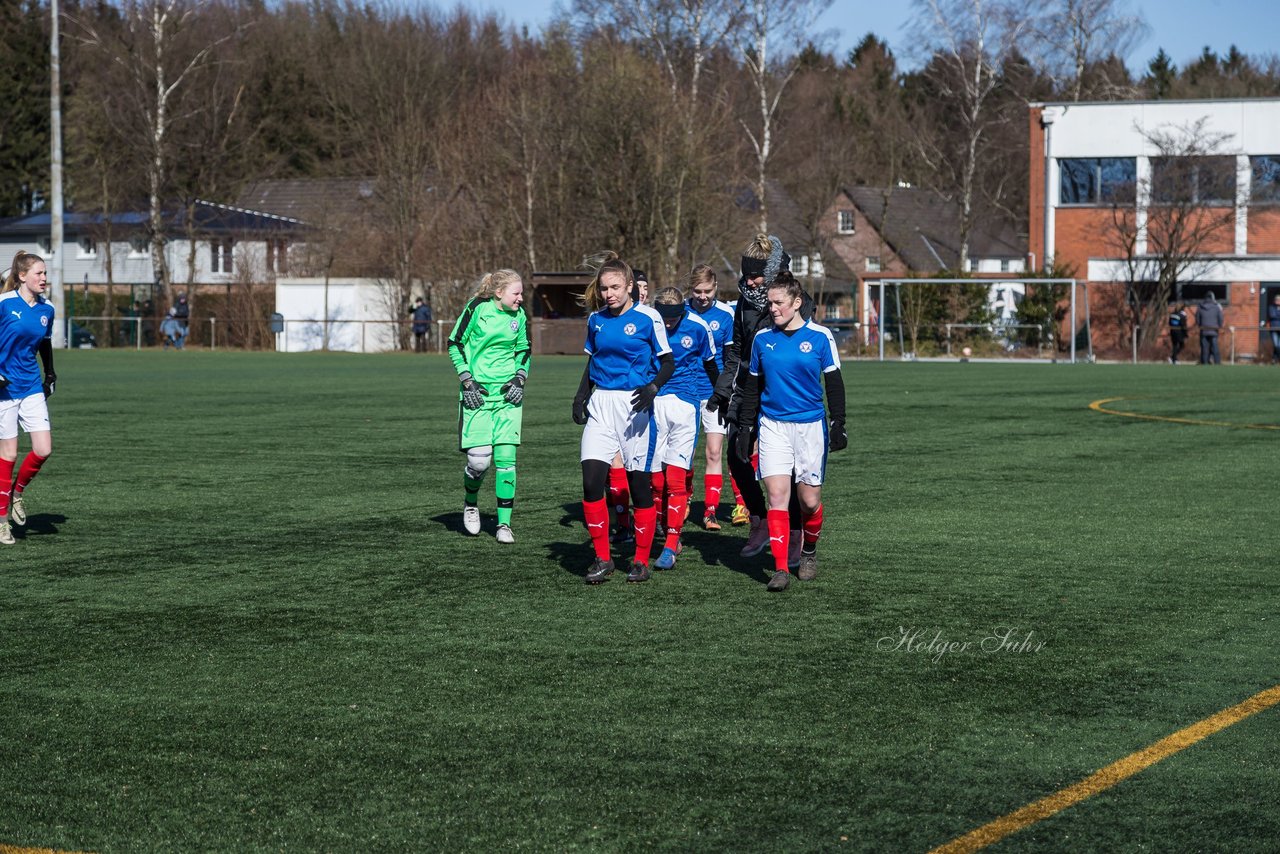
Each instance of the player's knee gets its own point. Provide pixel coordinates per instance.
(478, 460)
(504, 457)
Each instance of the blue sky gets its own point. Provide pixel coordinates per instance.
(1181, 27)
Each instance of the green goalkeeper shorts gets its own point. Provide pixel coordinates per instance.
(495, 423)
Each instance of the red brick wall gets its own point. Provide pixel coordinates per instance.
(1264, 231)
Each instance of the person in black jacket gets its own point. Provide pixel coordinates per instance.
(762, 260)
(1177, 331)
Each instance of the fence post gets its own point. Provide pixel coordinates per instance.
(948, 325)
(1233, 344)
(213, 333)
(137, 333)
(1135, 344)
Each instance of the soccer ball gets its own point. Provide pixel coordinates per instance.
(967, 352)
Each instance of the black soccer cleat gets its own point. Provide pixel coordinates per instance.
(600, 571)
(639, 572)
(781, 581)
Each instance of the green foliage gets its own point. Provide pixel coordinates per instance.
(1044, 306)
(24, 92)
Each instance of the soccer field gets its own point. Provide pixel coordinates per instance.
(243, 616)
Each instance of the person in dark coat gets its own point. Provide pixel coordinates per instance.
(1177, 331)
(1209, 321)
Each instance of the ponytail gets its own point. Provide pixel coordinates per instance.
(492, 284)
(605, 262)
(22, 262)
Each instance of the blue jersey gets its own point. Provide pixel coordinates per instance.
(624, 350)
(719, 318)
(22, 328)
(691, 345)
(793, 364)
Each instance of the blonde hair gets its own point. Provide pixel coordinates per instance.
(668, 296)
(605, 262)
(492, 284)
(759, 248)
(700, 275)
(22, 262)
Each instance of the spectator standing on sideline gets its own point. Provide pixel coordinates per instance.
(1177, 331)
(181, 311)
(421, 325)
(1273, 326)
(1209, 320)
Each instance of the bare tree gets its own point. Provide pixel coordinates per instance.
(969, 41)
(1184, 214)
(773, 31)
(1073, 35)
(158, 49)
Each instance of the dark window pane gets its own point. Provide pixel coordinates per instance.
(1266, 178)
(1216, 180)
(1119, 177)
(1077, 182)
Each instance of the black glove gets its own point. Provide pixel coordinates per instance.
(742, 445)
(718, 405)
(473, 393)
(642, 398)
(49, 379)
(580, 414)
(839, 438)
(513, 389)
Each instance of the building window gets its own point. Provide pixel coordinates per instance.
(1194, 292)
(45, 246)
(86, 247)
(220, 252)
(1197, 180)
(278, 256)
(1097, 180)
(800, 265)
(138, 247)
(1004, 265)
(1266, 178)
(844, 222)
(873, 264)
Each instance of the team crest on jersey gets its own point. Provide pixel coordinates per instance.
(515, 324)
(805, 347)
(715, 325)
(44, 321)
(686, 342)
(630, 329)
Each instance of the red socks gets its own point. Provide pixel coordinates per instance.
(645, 519)
(812, 528)
(712, 483)
(596, 514)
(658, 482)
(779, 532)
(677, 503)
(30, 466)
(619, 495)
(6, 478)
(737, 493)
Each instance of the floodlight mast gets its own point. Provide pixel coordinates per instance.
(60, 338)
(899, 282)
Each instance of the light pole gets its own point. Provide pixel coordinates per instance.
(60, 339)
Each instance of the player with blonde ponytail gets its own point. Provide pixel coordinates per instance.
(26, 328)
(490, 348)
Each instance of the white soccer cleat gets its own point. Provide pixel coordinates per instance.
(6, 535)
(471, 520)
(17, 512)
(505, 535)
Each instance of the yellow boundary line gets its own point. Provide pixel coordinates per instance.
(10, 849)
(1114, 773)
(1101, 406)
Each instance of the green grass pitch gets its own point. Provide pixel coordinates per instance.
(243, 617)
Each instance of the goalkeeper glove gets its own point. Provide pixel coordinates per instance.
(513, 389)
(580, 413)
(473, 393)
(49, 379)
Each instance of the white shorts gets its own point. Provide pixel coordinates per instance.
(32, 412)
(711, 420)
(789, 448)
(613, 429)
(677, 422)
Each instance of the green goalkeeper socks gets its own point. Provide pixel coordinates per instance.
(504, 459)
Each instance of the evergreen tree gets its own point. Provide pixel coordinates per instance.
(1161, 75)
(24, 92)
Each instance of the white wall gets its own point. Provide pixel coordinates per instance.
(358, 312)
(1122, 129)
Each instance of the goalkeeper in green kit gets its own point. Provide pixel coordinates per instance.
(490, 349)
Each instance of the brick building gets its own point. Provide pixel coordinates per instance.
(1111, 184)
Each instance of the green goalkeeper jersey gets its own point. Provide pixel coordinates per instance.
(490, 342)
